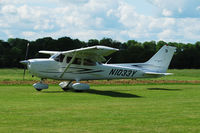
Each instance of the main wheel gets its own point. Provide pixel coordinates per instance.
(38, 89)
(65, 89)
(79, 90)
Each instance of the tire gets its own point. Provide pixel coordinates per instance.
(65, 89)
(79, 90)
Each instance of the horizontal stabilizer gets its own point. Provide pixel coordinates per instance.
(155, 73)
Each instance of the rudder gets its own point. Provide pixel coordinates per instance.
(161, 60)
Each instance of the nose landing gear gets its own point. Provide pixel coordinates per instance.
(40, 85)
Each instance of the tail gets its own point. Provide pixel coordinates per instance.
(161, 60)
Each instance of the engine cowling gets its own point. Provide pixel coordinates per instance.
(80, 86)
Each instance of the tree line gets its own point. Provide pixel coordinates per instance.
(12, 51)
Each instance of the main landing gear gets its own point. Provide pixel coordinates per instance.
(66, 85)
(78, 87)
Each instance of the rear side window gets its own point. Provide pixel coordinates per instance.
(68, 59)
(76, 60)
(89, 62)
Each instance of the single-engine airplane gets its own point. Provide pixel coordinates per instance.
(86, 64)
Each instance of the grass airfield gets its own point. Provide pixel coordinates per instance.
(163, 107)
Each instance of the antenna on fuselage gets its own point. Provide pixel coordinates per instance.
(108, 60)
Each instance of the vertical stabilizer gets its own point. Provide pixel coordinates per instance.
(161, 60)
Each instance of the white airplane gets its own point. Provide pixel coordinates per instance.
(86, 64)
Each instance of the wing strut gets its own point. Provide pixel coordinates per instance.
(68, 65)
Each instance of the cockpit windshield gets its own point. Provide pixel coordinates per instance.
(54, 56)
(58, 57)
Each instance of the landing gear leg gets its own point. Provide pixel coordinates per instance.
(41, 80)
(65, 85)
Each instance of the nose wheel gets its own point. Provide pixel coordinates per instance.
(40, 85)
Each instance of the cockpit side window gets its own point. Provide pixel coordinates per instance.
(68, 59)
(76, 60)
(89, 62)
(59, 58)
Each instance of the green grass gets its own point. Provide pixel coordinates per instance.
(15, 74)
(184, 74)
(149, 108)
(105, 108)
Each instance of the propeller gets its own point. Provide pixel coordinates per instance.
(25, 61)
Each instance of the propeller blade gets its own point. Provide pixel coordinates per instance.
(25, 62)
(27, 48)
(24, 72)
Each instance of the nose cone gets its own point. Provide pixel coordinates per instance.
(25, 62)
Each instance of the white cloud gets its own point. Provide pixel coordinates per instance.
(166, 35)
(96, 19)
(3, 24)
(159, 24)
(99, 22)
(179, 8)
(198, 8)
(8, 33)
(168, 3)
(9, 9)
(28, 34)
(74, 1)
(126, 15)
(25, 12)
(167, 13)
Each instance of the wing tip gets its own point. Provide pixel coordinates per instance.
(106, 47)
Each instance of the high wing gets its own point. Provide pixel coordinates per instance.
(95, 53)
(49, 52)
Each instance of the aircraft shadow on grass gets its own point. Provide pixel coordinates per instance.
(164, 89)
(53, 91)
(104, 93)
(112, 93)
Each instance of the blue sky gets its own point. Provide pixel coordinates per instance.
(141, 20)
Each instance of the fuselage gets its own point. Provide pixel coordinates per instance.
(85, 64)
(49, 68)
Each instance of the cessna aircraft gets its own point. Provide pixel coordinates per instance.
(86, 64)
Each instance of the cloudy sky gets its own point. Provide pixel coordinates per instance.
(122, 20)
